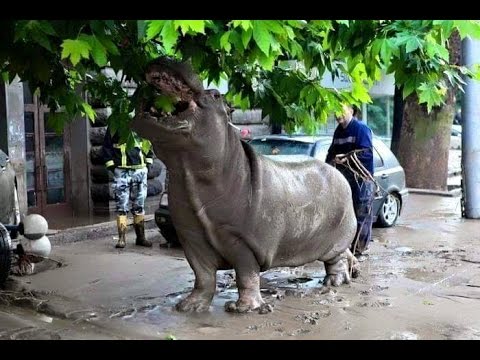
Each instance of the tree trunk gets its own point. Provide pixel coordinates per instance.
(424, 142)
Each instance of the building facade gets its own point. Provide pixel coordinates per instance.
(61, 176)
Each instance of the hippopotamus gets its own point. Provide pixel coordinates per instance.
(234, 208)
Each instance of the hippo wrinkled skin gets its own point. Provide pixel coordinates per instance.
(234, 208)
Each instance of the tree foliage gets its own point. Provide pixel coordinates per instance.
(275, 65)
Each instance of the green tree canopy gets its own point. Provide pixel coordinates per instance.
(275, 65)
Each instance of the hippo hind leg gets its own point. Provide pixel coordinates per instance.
(340, 269)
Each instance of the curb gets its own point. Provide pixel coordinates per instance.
(94, 231)
(452, 193)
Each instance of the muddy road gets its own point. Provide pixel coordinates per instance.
(420, 280)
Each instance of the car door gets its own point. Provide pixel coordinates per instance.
(381, 176)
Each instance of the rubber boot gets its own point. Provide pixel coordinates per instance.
(122, 231)
(139, 226)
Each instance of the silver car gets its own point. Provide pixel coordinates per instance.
(8, 213)
(389, 174)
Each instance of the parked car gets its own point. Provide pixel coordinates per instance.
(456, 137)
(8, 213)
(387, 170)
(388, 173)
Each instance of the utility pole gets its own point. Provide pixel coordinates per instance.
(471, 133)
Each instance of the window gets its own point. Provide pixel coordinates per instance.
(380, 116)
(281, 147)
(377, 159)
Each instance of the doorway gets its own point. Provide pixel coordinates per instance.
(47, 162)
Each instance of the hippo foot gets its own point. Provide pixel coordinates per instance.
(337, 273)
(191, 304)
(242, 306)
(336, 279)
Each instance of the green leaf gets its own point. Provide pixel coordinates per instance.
(75, 49)
(360, 93)
(266, 62)
(197, 26)
(246, 37)
(154, 28)
(170, 337)
(275, 26)
(412, 45)
(385, 52)
(108, 44)
(57, 120)
(476, 71)
(5, 77)
(46, 27)
(42, 39)
(169, 36)
(468, 28)
(409, 86)
(146, 146)
(98, 27)
(99, 53)
(224, 43)
(182, 24)
(245, 24)
(344, 22)
(434, 49)
(429, 94)
(141, 26)
(164, 103)
(88, 110)
(262, 36)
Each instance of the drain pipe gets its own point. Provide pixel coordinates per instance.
(470, 133)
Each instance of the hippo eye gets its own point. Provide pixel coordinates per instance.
(216, 94)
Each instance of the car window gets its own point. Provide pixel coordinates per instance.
(321, 151)
(377, 159)
(281, 147)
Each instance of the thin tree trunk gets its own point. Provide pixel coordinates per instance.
(398, 105)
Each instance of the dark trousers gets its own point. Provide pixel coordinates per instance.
(363, 193)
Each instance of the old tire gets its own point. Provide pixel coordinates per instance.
(164, 223)
(389, 211)
(5, 254)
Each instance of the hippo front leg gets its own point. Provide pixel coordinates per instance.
(247, 272)
(200, 298)
(204, 264)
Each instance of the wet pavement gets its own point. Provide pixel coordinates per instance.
(420, 280)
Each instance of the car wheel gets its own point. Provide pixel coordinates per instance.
(389, 211)
(5, 254)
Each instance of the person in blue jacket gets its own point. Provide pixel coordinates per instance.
(353, 134)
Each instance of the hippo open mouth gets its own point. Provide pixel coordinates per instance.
(178, 87)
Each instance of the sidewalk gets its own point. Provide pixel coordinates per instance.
(421, 280)
(454, 177)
